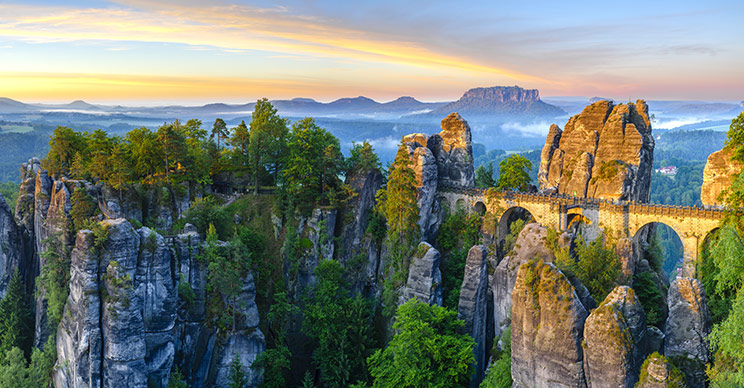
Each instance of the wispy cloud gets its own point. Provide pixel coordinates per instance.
(232, 28)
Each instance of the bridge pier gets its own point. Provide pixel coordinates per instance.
(691, 246)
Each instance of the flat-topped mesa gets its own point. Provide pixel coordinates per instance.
(606, 151)
(718, 175)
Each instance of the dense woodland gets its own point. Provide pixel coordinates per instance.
(348, 334)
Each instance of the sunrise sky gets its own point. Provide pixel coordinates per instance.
(158, 52)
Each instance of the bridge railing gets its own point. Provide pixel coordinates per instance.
(601, 203)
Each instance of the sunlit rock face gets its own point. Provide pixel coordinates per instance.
(547, 326)
(453, 150)
(615, 340)
(606, 151)
(530, 244)
(718, 175)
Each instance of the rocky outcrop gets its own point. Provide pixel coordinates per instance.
(687, 329)
(13, 254)
(355, 241)
(658, 372)
(546, 331)
(615, 340)
(606, 151)
(316, 241)
(473, 305)
(551, 144)
(427, 177)
(424, 277)
(126, 325)
(453, 150)
(718, 175)
(530, 244)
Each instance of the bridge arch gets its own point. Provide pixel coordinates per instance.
(510, 216)
(660, 239)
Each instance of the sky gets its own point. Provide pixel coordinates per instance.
(170, 51)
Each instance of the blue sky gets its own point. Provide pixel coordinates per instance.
(185, 51)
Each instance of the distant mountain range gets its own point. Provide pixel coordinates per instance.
(491, 101)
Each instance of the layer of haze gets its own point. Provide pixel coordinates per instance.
(156, 52)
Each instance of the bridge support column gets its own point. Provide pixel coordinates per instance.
(562, 217)
(691, 245)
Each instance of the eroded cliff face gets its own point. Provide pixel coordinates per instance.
(547, 326)
(606, 151)
(615, 340)
(687, 329)
(718, 175)
(126, 325)
(442, 159)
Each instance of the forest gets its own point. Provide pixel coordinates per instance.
(331, 334)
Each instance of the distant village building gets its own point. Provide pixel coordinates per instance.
(668, 170)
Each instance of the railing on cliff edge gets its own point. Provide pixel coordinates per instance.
(715, 212)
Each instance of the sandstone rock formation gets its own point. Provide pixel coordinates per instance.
(317, 230)
(13, 254)
(453, 150)
(473, 305)
(125, 325)
(356, 242)
(443, 159)
(687, 329)
(606, 151)
(615, 340)
(658, 372)
(547, 325)
(424, 277)
(530, 245)
(427, 178)
(718, 175)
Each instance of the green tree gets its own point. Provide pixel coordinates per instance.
(145, 151)
(275, 361)
(499, 374)
(339, 323)
(120, 172)
(240, 140)
(176, 379)
(426, 351)
(16, 321)
(82, 208)
(484, 176)
(173, 144)
(267, 140)
(100, 146)
(362, 157)
(399, 198)
(219, 131)
(514, 173)
(55, 277)
(64, 144)
(597, 267)
(238, 379)
(313, 165)
(224, 281)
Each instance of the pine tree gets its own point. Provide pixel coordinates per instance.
(400, 206)
(16, 326)
(238, 378)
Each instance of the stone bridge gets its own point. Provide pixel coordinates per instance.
(621, 218)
